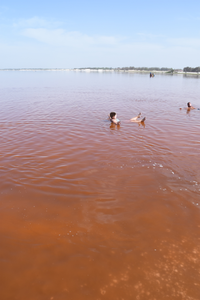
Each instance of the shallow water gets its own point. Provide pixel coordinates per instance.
(90, 210)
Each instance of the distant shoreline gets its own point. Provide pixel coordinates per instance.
(102, 70)
(137, 71)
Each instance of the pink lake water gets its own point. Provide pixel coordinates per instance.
(90, 210)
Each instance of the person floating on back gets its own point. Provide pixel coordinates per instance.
(115, 120)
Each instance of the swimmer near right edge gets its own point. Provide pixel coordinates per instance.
(189, 107)
(113, 118)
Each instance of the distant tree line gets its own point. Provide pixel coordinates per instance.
(145, 69)
(189, 69)
(129, 68)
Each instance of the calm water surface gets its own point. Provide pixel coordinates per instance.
(90, 210)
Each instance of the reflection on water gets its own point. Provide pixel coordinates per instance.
(90, 210)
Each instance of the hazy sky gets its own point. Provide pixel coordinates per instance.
(99, 33)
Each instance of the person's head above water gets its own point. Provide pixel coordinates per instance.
(189, 104)
(112, 115)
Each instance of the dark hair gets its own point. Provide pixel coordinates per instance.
(112, 114)
(189, 104)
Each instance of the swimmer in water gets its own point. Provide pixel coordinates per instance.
(113, 118)
(189, 106)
